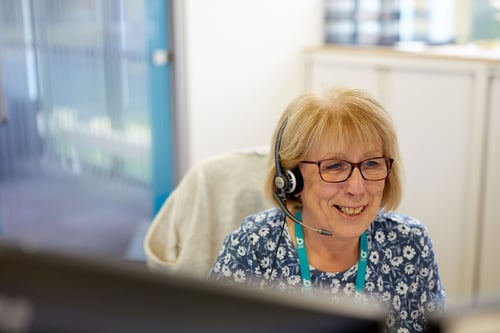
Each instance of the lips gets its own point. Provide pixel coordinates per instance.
(350, 211)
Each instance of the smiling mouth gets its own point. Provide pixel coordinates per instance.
(350, 211)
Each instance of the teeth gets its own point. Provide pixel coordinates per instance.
(351, 211)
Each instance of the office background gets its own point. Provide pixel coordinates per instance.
(107, 105)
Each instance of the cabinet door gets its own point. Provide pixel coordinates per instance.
(489, 277)
(433, 112)
(438, 110)
(324, 73)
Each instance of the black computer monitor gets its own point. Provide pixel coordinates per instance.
(42, 291)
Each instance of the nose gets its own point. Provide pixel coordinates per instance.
(355, 183)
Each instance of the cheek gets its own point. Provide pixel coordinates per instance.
(316, 189)
(376, 191)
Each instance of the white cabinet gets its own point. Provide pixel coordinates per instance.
(489, 269)
(438, 105)
(322, 73)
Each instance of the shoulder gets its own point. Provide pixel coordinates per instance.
(257, 227)
(390, 228)
(403, 224)
(269, 220)
(255, 238)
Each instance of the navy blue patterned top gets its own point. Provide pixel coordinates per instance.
(402, 272)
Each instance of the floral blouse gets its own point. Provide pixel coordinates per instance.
(402, 272)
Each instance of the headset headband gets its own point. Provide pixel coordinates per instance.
(279, 179)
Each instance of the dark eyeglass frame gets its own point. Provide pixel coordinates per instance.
(358, 165)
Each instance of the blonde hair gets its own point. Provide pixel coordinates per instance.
(348, 116)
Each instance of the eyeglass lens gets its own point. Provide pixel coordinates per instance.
(339, 170)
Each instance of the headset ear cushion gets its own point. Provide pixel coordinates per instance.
(295, 181)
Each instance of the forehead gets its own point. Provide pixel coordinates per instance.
(351, 152)
(350, 146)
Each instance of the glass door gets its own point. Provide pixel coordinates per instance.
(88, 88)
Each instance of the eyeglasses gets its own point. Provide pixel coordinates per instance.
(337, 171)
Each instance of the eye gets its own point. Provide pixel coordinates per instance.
(373, 164)
(333, 165)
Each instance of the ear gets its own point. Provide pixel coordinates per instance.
(295, 181)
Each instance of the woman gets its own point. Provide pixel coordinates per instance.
(335, 172)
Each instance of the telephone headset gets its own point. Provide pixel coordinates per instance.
(289, 182)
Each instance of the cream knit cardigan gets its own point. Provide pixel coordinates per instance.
(210, 201)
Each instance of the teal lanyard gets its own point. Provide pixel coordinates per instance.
(304, 262)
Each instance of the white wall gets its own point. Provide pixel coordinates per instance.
(242, 63)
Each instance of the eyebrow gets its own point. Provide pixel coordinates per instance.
(342, 156)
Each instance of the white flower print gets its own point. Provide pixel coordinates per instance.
(396, 302)
(396, 261)
(239, 276)
(380, 283)
(270, 245)
(285, 271)
(409, 269)
(227, 258)
(400, 262)
(408, 252)
(267, 274)
(264, 262)
(401, 288)
(374, 257)
(280, 254)
(431, 307)
(431, 284)
(335, 286)
(414, 314)
(404, 229)
(217, 267)
(414, 287)
(425, 251)
(259, 217)
(403, 315)
(275, 223)
(368, 272)
(294, 280)
(226, 271)
(263, 232)
(330, 274)
(390, 321)
(418, 327)
(274, 274)
(254, 238)
(423, 297)
(235, 241)
(349, 289)
(241, 251)
(350, 272)
(380, 236)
